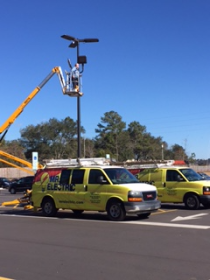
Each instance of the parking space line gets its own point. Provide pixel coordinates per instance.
(160, 211)
(166, 225)
(187, 226)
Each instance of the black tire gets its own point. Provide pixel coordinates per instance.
(116, 211)
(48, 207)
(78, 212)
(144, 215)
(12, 191)
(191, 202)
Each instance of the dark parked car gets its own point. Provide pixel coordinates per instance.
(4, 182)
(21, 185)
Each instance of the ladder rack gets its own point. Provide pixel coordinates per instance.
(102, 161)
(53, 163)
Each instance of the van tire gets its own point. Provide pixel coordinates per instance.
(116, 210)
(191, 201)
(48, 207)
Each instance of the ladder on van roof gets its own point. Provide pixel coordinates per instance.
(129, 164)
(52, 163)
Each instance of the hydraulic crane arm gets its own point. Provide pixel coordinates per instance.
(19, 160)
(19, 110)
(16, 166)
(4, 128)
(28, 166)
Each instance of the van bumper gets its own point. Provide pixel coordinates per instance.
(141, 207)
(205, 199)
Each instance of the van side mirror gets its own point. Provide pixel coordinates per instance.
(101, 180)
(179, 178)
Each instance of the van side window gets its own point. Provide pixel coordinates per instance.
(93, 176)
(172, 175)
(65, 174)
(78, 176)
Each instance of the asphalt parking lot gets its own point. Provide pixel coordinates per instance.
(170, 215)
(170, 244)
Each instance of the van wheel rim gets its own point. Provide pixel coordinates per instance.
(191, 202)
(115, 211)
(48, 208)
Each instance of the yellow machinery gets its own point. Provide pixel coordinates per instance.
(22, 201)
(66, 89)
(20, 161)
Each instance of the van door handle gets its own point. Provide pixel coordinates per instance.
(85, 187)
(164, 184)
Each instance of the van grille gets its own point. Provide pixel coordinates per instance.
(149, 195)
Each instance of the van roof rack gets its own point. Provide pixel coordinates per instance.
(52, 163)
(143, 163)
(102, 161)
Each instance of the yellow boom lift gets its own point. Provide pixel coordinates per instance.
(28, 165)
(67, 89)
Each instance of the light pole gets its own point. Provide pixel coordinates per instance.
(162, 146)
(81, 60)
(84, 146)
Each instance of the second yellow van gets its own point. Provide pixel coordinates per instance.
(178, 185)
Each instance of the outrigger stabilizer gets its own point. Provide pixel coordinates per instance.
(21, 202)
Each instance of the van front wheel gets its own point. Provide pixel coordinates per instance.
(191, 202)
(116, 211)
(48, 207)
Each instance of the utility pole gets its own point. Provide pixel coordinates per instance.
(162, 146)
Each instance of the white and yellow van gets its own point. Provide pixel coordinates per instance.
(178, 185)
(100, 188)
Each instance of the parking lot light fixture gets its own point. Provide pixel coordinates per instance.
(81, 60)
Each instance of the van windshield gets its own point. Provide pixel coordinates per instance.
(191, 175)
(120, 176)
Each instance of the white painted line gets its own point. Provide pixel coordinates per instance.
(107, 221)
(167, 225)
(191, 217)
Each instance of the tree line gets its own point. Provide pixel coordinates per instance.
(56, 139)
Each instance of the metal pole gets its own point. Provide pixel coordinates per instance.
(78, 119)
(162, 146)
(74, 44)
(84, 146)
(78, 128)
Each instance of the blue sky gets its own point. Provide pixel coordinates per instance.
(151, 65)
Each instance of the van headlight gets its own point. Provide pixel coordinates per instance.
(134, 196)
(206, 190)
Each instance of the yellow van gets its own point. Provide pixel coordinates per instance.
(100, 188)
(178, 185)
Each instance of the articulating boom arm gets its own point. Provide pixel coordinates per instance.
(28, 167)
(19, 160)
(17, 166)
(64, 85)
